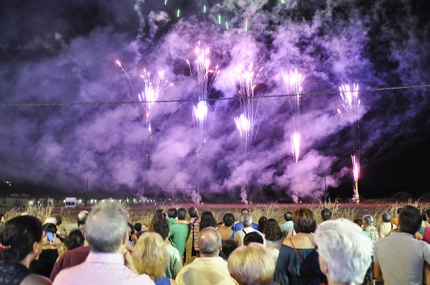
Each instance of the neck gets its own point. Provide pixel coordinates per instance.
(27, 260)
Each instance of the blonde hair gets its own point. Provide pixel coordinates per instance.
(251, 265)
(150, 255)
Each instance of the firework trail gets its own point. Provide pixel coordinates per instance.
(351, 105)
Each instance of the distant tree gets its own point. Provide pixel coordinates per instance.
(401, 195)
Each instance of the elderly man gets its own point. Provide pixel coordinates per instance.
(247, 228)
(209, 268)
(239, 226)
(106, 233)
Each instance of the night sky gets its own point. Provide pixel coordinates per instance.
(65, 52)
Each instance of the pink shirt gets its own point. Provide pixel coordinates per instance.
(426, 236)
(101, 268)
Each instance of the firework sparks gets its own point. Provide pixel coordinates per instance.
(126, 74)
(350, 101)
(200, 112)
(295, 145)
(356, 172)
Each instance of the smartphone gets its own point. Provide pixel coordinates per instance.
(50, 236)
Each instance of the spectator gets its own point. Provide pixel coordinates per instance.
(285, 227)
(326, 214)
(106, 232)
(131, 231)
(254, 236)
(195, 229)
(395, 220)
(158, 215)
(399, 258)
(81, 220)
(172, 213)
(386, 226)
(179, 232)
(370, 228)
(426, 236)
(359, 222)
(50, 252)
(344, 252)
(74, 240)
(247, 228)
(209, 268)
(138, 229)
(262, 223)
(174, 264)
(239, 226)
(424, 223)
(21, 241)
(228, 246)
(251, 264)
(150, 257)
(207, 220)
(273, 234)
(289, 266)
(225, 229)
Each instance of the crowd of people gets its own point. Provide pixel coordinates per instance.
(105, 248)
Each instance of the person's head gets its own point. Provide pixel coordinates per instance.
(386, 217)
(423, 214)
(246, 220)
(208, 221)
(304, 221)
(137, 227)
(288, 216)
(162, 228)
(106, 227)
(182, 214)
(209, 241)
(262, 223)
(367, 220)
(21, 237)
(326, 214)
(159, 214)
(227, 247)
(272, 231)
(252, 264)
(74, 240)
(345, 252)
(253, 237)
(428, 214)
(193, 212)
(228, 219)
(244, 211)
(398, 211)
(150, 255)
(172, 212)
(409, 220)
(82, 218)
(59, 219)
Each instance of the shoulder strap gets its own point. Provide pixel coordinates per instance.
(298, 255)
(244, 232)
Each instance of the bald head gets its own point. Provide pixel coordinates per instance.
(82, 217)
(209, 242)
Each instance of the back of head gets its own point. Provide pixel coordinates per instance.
(172, 212)
(326, 214)
(386, 217)
(82, 217)
(252, 264)
(246, 220)
(228, 246)
(288, 216)
(244, 211)
(18, 237)
(262, 223)
(208, 221)
(209, 241)
(346, 250)
(253, 237)
(409, 220)
(193, 212)
(74, 240)
(304, 221)
(59, 219)
(182, 214)
(272, 231)
(150, 255)
(228, 219)
(137, 226)
(162, 228)
(368, 219)
(106, 227)
(52, 228)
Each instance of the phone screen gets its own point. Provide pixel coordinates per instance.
(50, 236)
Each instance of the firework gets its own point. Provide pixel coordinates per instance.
(356, 172)
(295, 145)
(126, 74)
(350, 101)
(200, 113)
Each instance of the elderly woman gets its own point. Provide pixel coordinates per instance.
(370, 228)
(344, 252)
(251, 265)
(298, 260)
(150, 257)
(21, 241)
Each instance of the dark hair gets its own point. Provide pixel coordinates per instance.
(304, 221)
(272, 231)
(208, 221)
(20, 233)
(52, 228)
(162, 228)
(326, 214)
(253, 237)
(172, 212)
(227, 247)
(158, 215)
(182, 214)
(410, 220)
(192, 212)
(386, 217)
(228, 219)
(399, 210)
(262, 223)
(358, 221)
(288, 216)
(59, 219)
(74, 240)
(427, 213)
(137, 226)
(423, 215)
(244, 210)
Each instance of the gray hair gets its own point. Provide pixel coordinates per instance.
(386, 217)
(339, 243)
(246, 220)
(368, 219)
(209, 241)
(106, 227)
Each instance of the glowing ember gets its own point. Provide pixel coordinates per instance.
(295, 145)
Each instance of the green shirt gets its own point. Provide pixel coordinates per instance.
(179, 235)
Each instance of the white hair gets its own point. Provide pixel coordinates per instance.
(346, 249)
